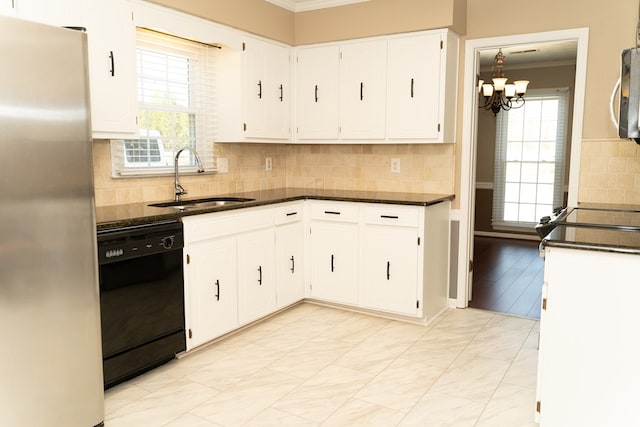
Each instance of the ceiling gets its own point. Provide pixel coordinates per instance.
(532, 55)
(304, 5)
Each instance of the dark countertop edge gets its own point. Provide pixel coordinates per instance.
(170, 214)
(589, 247)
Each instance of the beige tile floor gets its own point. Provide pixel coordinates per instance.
(318, 366)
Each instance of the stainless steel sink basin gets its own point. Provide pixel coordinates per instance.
(201, 203)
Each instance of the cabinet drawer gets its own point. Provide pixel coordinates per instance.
(402, 216)
(335, 211)
(206, 226)
(287, 213)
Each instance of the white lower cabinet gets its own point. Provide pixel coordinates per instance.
(389, 260)
(212, 303)
(243, 265)
(333, 250)
(588, 371)
(256, 275)
(290, 265)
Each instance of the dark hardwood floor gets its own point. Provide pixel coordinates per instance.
(507, 276)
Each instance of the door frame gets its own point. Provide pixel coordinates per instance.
(469, 135)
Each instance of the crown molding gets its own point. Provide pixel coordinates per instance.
(303, 6)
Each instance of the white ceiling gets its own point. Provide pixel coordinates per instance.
(532, 55)
(304, 5)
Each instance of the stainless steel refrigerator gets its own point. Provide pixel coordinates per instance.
(50, 346)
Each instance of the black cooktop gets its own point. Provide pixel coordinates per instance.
(601, 218)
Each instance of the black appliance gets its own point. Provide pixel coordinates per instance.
(141, 298)
(621, 218)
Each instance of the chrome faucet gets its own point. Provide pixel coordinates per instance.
(179, 189)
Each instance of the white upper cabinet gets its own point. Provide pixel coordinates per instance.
(111, 46)
(112, 69)
(363, 72)
(399, 88)
(317, 92)
(7, 7)
(413, 87)
(267, 91)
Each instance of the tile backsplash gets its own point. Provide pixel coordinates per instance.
(610, 171)
(423, 168)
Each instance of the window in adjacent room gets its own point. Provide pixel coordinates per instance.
(175, 106)
(530, 157)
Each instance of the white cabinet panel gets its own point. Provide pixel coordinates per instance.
(317, 87)
(256, 275)
(389, 269)
(267, 90)
(7, 7)
(399, 88)
(211, 290)
(290, 263)
(334, 261)
(112, 69)
(588, 356)
(413, 89)
(363, 72)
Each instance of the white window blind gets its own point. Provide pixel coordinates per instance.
(176, 92)
(529, 159)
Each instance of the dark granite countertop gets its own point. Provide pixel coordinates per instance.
(593, 239)
(118, 216)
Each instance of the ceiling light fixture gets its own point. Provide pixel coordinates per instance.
(500, 94)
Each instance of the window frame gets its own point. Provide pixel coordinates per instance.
(200, 97)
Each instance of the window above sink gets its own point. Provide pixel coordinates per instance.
(175, 105)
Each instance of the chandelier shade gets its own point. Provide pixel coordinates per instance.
(500, 95)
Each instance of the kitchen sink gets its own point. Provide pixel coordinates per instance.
(201, 203)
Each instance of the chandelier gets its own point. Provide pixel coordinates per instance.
(500, 94)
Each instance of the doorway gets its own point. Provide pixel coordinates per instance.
(473, 49)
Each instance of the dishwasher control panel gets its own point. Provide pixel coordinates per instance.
(120, 244)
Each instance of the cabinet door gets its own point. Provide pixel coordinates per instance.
(363, 71)
(389, 269)
(413, 95)
(317, 107)
(7, 7)
(279, 91)
(289, 263)
(112, 69)
(266, 90)
(256, 275)
(334, 261)
(211, 290)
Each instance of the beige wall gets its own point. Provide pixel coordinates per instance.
(378, 17)
(610, 168)
(254, 16)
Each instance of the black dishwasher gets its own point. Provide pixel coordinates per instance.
(141, 298)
